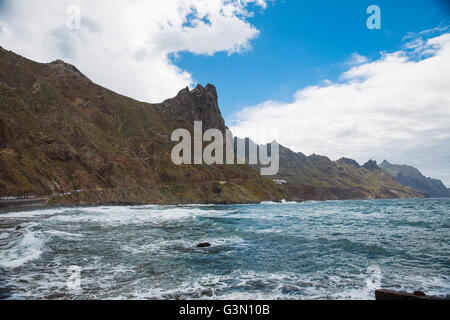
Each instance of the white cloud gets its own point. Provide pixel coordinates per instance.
(126, 45)
(357, 59)
(397, 107)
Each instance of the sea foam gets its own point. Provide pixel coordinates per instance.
(28, 248)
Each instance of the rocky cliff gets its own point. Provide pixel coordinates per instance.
(60, 132)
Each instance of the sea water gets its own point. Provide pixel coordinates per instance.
(310, 250)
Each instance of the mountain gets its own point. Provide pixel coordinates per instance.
(412, 177)
(60, 132)
(316, 177)
(371, 165)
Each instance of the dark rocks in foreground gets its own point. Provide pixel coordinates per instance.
(384, 294)
(204, 245)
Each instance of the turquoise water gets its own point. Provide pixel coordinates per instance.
(312, 250)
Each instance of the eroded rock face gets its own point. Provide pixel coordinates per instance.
(199, 104)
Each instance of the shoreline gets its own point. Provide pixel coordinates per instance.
(16, 206)
(7, 206)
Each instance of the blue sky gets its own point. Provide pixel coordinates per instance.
(302, 43)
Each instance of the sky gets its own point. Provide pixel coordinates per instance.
(310, 72)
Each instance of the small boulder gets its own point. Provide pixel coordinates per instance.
(419, 293)
(204, 245)
(18, 228)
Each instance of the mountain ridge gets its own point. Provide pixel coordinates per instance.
(61, 132)
(323, 179)
(412, 177)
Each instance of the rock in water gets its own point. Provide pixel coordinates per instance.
(419, 293)
(383, 294)
(204, 245)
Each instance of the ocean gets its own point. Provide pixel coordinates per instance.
(309, 250)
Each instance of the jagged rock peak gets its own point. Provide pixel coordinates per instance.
(199, 89)
(350, 162)
(198, 104)
(371, 165)
(183, 92)
(317, 157)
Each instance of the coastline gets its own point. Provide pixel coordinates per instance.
(11, 205)
(43, 204)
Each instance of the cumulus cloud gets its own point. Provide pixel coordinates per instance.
(397, 107)
(126, 45)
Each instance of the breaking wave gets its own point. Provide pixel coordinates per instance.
(27, 247)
